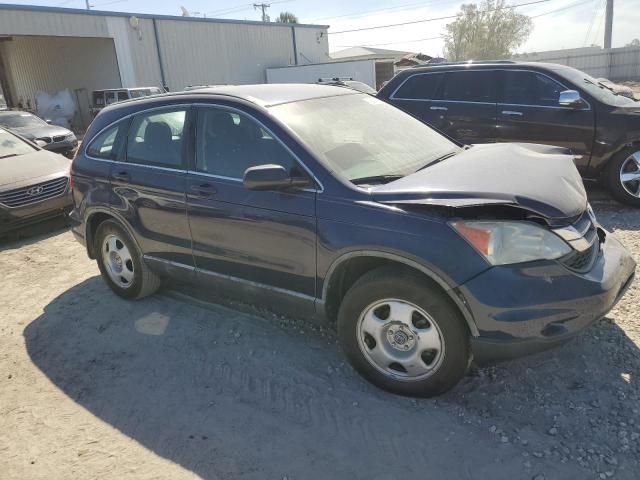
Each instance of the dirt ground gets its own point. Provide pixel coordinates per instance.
(94, 387)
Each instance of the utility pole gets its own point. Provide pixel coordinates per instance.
(263, 7)
(88, 4)
(608, 24)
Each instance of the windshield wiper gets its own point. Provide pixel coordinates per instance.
(10, 155)
(439, 159)
(376, 179)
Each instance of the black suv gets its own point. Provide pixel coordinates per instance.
(530, 102)
(334, 203)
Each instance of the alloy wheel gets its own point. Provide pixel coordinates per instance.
(630, 174)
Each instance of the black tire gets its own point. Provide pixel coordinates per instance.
(612, 178)
(145, 282)
(403, 284)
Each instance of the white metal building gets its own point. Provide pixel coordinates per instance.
(48, 49)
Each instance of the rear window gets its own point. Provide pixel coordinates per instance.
(420, 87)
(105, 145)
(469, 86)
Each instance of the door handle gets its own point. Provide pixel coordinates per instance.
(122, 175)
(511, 113)
(443, 109)
(204, 189)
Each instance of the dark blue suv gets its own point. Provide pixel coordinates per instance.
(332, 203)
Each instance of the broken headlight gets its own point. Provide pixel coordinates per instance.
(502, 243)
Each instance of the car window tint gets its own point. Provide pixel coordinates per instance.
(530, 88)
(420, 87)
(110, 97)
(104, 145)
(122, 96)
(156, 138)
(228, 143)
(470, 86)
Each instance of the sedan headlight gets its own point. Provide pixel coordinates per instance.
(502, 243)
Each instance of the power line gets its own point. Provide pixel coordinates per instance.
(581, 2)
(396, 7)
(392, 43)
(434, 19)
(598, 6)
(562, 9)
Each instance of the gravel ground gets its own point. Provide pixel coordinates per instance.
(92, 386)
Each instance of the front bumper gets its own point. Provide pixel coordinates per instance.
(15, 218)
(65, 147)
(523, 309)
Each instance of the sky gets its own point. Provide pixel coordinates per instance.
(558, 24)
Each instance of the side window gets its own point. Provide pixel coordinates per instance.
(98, 99)
(469, 86)
(156, 138)
(227, 143)
(107, 144)
(530, 88)
(420, 87)
(110, 97)
(122, 96)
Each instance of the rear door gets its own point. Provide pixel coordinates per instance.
(528, 111)
(149, 186)
(466, 106)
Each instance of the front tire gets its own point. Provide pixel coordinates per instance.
(623, 176)
(121, 264)
(403, 334)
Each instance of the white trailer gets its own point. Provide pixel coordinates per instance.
(371, 72)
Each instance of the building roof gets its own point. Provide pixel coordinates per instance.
(368, 51)
(265, 95)
(104, 13)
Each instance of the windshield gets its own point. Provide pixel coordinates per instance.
(19, 120)
(594, 88)
(358, 136)
(11, 146)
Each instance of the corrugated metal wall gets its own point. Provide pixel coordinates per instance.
(194, 51)
(54, 63)
(312, 45)
(215, 53)
(614, 64)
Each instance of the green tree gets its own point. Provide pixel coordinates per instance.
(633, 43)
(287, 17)
(489, 31)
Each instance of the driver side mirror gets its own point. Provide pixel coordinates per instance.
(571, 98)
(272, 177)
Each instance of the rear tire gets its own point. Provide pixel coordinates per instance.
(121, 264)
(403, 334)
(625, 165)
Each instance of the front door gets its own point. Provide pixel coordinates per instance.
(263, 238)
(148, 187)
(528, 111)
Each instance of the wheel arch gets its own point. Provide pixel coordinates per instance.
(93, 220)
(346, 269)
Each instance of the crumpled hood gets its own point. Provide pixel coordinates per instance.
(539, 178)
(35, 167)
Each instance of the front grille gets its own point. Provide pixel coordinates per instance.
(59, 138)
(583, 261)
(583, 236)
(34, 193)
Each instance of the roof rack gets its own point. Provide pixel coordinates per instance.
(465, 62)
